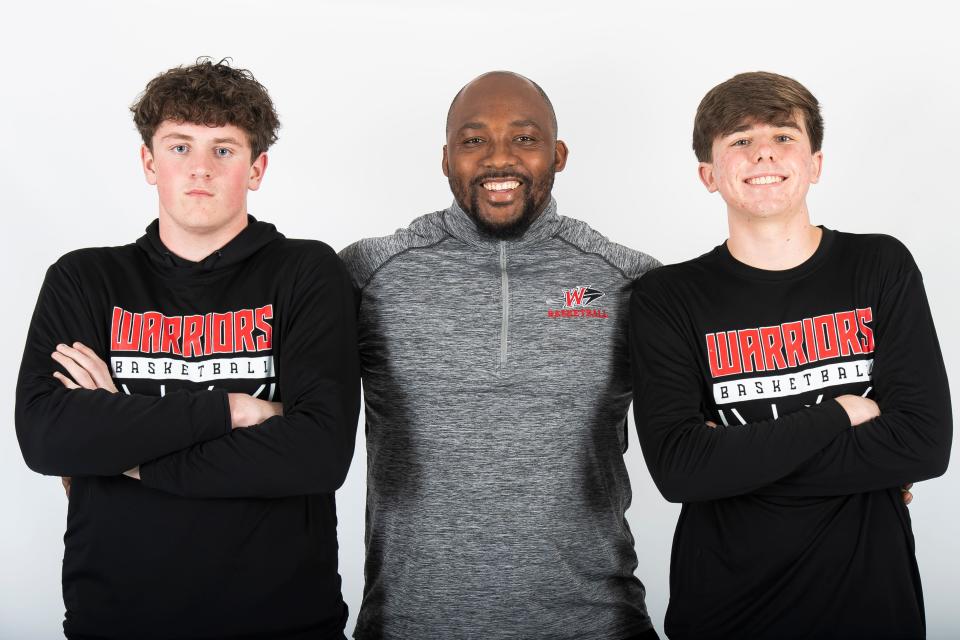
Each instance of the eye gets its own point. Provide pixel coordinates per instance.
(525, 139)
(223, 152)
(742, 142)
(472, 141)
(180, 148)
(784, 138)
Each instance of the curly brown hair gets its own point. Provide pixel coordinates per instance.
(210, 93)
(758, 96)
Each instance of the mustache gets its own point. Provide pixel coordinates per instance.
(500, 175)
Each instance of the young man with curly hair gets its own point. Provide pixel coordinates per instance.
(786, 385)
(205, 457)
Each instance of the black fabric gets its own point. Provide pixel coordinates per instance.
(230, 533)
(792, 524)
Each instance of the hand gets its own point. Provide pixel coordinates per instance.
(858, 409)
(85, 367)
(66, 480)
(905, 493)
(247, 411)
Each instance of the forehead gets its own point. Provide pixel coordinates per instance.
(494, 102)
(752, 124)
(173, 129)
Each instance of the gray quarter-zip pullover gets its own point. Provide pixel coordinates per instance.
(497, 383)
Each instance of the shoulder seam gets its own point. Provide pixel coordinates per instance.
(397, 255)
(623, 273)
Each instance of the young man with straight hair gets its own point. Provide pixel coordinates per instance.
(786, 385)
(205, 457)
(496, 485)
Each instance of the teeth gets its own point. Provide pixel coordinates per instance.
(765, 180)
(501, 186)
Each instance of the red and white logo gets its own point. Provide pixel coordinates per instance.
(577, 302)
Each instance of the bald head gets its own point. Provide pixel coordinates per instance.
(504, 84)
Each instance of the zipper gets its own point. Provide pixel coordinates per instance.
(505, 294)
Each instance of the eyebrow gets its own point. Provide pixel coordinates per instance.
(515, 123)
(183, 136)
(746, 126)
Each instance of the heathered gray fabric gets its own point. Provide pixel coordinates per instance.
(496, 486)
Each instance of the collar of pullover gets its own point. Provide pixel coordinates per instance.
(254, 236)
(462, 227)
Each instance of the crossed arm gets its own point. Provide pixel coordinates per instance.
(196, 443)
(813, 451)
(87, 371)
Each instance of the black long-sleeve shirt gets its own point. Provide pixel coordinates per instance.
(792, 524)
(230, 533)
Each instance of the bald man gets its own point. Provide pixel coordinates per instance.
(496, 380)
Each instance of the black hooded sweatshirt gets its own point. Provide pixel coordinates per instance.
(230, 533)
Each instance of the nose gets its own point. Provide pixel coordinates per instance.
(764, 151)
(500, 154)
(200, 170)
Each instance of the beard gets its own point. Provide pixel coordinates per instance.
(535, 199)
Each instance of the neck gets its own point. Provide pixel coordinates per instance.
(776, 243)
(193, 244)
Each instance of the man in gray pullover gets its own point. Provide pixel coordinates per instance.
(496, 486)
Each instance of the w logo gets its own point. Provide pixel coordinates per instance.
(580, 297)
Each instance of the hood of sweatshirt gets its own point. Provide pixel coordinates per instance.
(253, 237)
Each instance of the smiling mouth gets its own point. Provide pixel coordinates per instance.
(501, 185)
(765, 180)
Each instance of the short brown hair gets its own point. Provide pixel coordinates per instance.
(209, 93)
(758, 96)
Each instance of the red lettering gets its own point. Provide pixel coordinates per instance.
(772, 343)
(847, 333)
(793, 343)
(125, 330)
(262, 315)
(863, 317)
(243, 331)
(750, 350)
(825, 328)
(208, 334)
(192, 332)
(574, 296)
(723, 354)
(222, 334)
(171, 335)
(152, 328)
(810, 341)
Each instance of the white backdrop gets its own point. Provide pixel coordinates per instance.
(362, 89)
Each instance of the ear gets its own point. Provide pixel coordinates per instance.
(817, 160)
(443, 163)
(705, 170)
(149, 168)
(560, 155)
(257, 169)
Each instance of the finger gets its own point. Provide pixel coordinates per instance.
(711, 424)
(76, 371)
(86, 358)
(907, 497)
(133, 473)
(907, 487)
(67, 382)
(277, 408)
(66, 484)
(101, 371)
